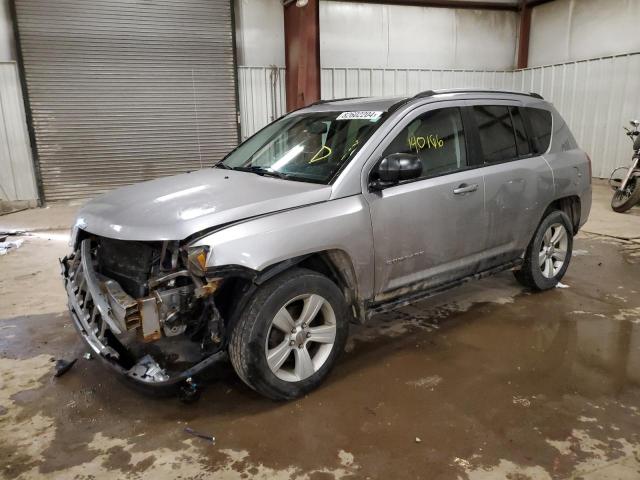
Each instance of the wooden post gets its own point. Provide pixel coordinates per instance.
(302, 53)
(525, 30)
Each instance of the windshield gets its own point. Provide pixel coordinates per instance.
(310, 147)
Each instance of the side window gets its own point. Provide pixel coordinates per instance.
(540, 121)
(496, 133)
(522, 140)
(437, 138)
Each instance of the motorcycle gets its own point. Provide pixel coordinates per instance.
(627, 189)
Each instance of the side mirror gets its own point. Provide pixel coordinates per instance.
(396, 168)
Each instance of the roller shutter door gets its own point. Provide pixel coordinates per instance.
(123, 91)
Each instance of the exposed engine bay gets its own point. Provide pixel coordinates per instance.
(145, 307)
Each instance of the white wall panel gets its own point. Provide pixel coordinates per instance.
(259, 32)
(392, 36)
(262, 97)
(571, 30)
(416, 37)
(17, 181)
(596, 97)
(485, 39)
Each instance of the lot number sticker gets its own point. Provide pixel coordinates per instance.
(359, 116)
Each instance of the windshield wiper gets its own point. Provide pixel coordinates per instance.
(266, 173)
(262, 171)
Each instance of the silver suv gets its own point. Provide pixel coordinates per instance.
(327, 216)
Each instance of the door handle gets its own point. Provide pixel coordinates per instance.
(464, 188)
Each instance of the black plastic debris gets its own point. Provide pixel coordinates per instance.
(63, 366)
(204, 436)
(189, 391)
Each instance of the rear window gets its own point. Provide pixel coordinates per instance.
(540, 121)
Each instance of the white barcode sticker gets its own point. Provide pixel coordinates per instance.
(359, 116)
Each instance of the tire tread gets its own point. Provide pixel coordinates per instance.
(525, 275)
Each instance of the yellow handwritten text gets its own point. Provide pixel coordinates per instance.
(430, 141)
(321, 154)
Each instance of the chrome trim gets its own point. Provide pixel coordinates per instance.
(629, 174)
(80, 317)
(93, 286)
(79, 291)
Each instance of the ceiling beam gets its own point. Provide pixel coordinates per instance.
(537, 3)
(466, 4)
(473, 4)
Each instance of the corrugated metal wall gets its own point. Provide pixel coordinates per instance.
(16, 166)
(596, 97)
(262, 97)
(127, 90)
(377, 34)
(569, 30)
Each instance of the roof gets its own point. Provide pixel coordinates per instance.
(356, 104)
(384, 104)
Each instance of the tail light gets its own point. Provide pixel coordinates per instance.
(590, 167)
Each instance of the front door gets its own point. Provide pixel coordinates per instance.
(430, 230)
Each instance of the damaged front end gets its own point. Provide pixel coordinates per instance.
(146, 308)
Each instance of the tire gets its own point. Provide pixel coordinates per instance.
(623, 201)
(265, 326)
(542, 269)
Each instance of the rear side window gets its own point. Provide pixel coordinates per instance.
(496, 133)
(540, 122)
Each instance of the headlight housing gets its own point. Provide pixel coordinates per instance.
(197, 260)
(80, 223)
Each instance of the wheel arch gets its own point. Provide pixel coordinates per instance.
(337, 265)
(571, 206)
(241, 283)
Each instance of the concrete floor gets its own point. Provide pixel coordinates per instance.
(486, 381)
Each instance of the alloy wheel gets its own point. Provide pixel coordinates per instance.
(301, 337)
(553, 251)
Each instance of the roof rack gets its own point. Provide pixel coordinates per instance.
(430, 93)
(329, 100)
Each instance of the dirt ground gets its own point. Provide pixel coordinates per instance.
(486, 381)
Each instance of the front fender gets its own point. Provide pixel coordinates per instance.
(343, 224)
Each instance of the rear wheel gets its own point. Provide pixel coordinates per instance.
(290, 334)
(623, 200)
(548, 254)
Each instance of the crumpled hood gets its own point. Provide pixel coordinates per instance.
(173, 208)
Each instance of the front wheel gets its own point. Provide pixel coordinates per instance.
(290, 334)
(623, 200)
(548, 254)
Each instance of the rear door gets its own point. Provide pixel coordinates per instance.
(518, 181)
(430, 230)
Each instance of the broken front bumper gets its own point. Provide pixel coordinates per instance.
(90, 304)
